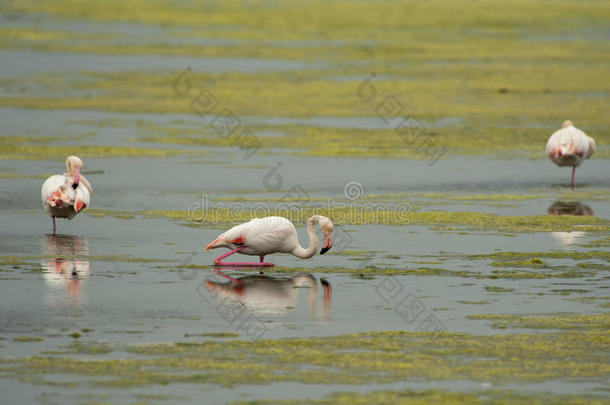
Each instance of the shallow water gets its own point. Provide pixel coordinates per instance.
(127, 283)
(119, 277)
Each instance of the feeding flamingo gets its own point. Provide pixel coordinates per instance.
(569, 146)
(65, 195)
(263, 236)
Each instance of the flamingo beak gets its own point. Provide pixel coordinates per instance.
(211, 244)
(328, 243)
(76, 178)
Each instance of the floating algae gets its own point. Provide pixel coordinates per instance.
(412, 397)
(371, 358)
(559, 321)
(223, 216)
(27, 339)
(500, 74)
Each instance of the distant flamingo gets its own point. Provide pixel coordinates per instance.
(263, 236)
(64, 196)
(569, 146)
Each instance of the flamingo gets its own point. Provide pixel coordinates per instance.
(569, 146)
(65, 195)
(263, 236)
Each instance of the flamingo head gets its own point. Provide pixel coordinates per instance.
(326, 227)
(74, 166)
(567, 123)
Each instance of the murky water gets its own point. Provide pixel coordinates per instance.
(120, 278)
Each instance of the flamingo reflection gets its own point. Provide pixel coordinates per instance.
(65, 271)
(267, 294)
(569, 208)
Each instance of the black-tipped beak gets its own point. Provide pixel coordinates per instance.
(326, 249)
(74, 186)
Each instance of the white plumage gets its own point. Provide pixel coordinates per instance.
(263, 236)
(65, 195)
(569, 146)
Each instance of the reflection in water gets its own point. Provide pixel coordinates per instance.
(64, 270)
(265, 294)
(569, 208)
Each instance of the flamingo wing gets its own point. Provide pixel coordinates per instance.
(56, 193)
(60, 199)
(260, 236)
(568, 143)
(591, 143)
(82, 198)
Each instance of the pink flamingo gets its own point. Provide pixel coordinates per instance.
(569, 146)
(263, 236)
(65, 195)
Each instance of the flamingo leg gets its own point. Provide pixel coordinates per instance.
(53, 225)
(218, 260)
(573, 172)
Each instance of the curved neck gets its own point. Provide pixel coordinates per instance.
(86, 183)
(298, 251)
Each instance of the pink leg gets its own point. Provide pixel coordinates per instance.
(53, 225)
(218, 260)
(573, 172)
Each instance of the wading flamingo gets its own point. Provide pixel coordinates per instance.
(569, 146)
(263, 236)
(65, 195)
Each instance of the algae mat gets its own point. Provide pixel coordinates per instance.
(471, 273)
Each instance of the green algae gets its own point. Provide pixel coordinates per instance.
(243, 92)
(496, 69)
(525, 257)
(12, 150)
(84, 347)
(473, 302)
(431, 396)
(560, 321)
(368, 357)
(222, 216)
(213, 335)
(27, 339)
(533, 262)
(597, 243)
(495, 289)
(27, 261)
(319, 20)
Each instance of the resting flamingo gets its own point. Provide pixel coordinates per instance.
(569, 146)
(65, 195)
(263, 236)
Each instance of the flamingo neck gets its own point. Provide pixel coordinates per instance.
(298, 251)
